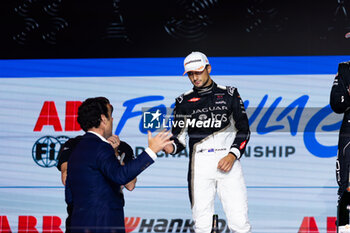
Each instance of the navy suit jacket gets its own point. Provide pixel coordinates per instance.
(94, 179)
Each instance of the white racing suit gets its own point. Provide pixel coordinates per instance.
(215, 122)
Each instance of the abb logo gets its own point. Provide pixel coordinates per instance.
(27, 224)
(48, 116)
(51, 224)
(309, 225)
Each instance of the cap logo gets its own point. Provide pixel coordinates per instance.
(200, 68)
(198, 60)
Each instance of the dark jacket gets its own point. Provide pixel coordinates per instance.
(94, 179)
(340, 103)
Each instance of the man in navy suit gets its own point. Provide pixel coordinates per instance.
(123, 152)
(94, 173)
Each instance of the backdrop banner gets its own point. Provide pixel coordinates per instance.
(289, 164)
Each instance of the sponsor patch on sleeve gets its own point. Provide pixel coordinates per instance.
(242, 145)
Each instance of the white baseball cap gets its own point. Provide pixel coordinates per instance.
(196, 61)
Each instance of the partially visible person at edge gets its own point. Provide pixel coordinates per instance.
(95, 175)
(215, 148)
(123, 152)
(340, 103)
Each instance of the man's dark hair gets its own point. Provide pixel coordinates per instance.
(90, 111)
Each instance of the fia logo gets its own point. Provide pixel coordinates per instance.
(152, 120)
(45, 150)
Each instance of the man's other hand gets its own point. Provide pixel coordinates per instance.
(131, 185)
(114, 141)
(64, 167)
(225, 164)
(158, 142)
(169, 149)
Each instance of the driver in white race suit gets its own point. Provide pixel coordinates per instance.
(214, 120)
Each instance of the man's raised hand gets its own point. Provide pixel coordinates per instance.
(158, 142)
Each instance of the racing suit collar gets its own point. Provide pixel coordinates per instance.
(204, 90)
